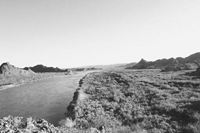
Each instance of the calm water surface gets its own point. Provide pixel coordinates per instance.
(47, 99)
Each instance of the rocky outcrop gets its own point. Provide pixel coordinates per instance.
(70, 72)
(173, 64)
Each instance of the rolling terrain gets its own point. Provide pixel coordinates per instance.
(127, 101)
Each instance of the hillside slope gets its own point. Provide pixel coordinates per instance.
(10, 74)
(9, 70)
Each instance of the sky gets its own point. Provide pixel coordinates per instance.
(73, 33)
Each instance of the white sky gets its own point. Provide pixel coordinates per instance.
(72, 33)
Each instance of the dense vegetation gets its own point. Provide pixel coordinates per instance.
(146, 101)
(138, 101)
(17, 125)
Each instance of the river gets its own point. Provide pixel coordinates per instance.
(47, 98)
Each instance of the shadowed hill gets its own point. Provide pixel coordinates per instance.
(173, 64)
(42, 68)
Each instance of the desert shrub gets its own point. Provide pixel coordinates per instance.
(91, 114)
(10, 124)
(14, 124)
(123, 130)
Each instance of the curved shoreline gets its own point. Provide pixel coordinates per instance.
(4, 87)
(32, 79)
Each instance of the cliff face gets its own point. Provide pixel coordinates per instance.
(173, 64)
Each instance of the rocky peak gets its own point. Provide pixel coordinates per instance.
(6, 67)
(142, 61)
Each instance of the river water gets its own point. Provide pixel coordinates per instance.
(47, 98)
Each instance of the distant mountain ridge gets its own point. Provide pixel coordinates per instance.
(42, 68)
(173, 64)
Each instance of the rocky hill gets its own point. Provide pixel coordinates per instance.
(173, 64)
(10, 74)
(42, 68)
(7, 69)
